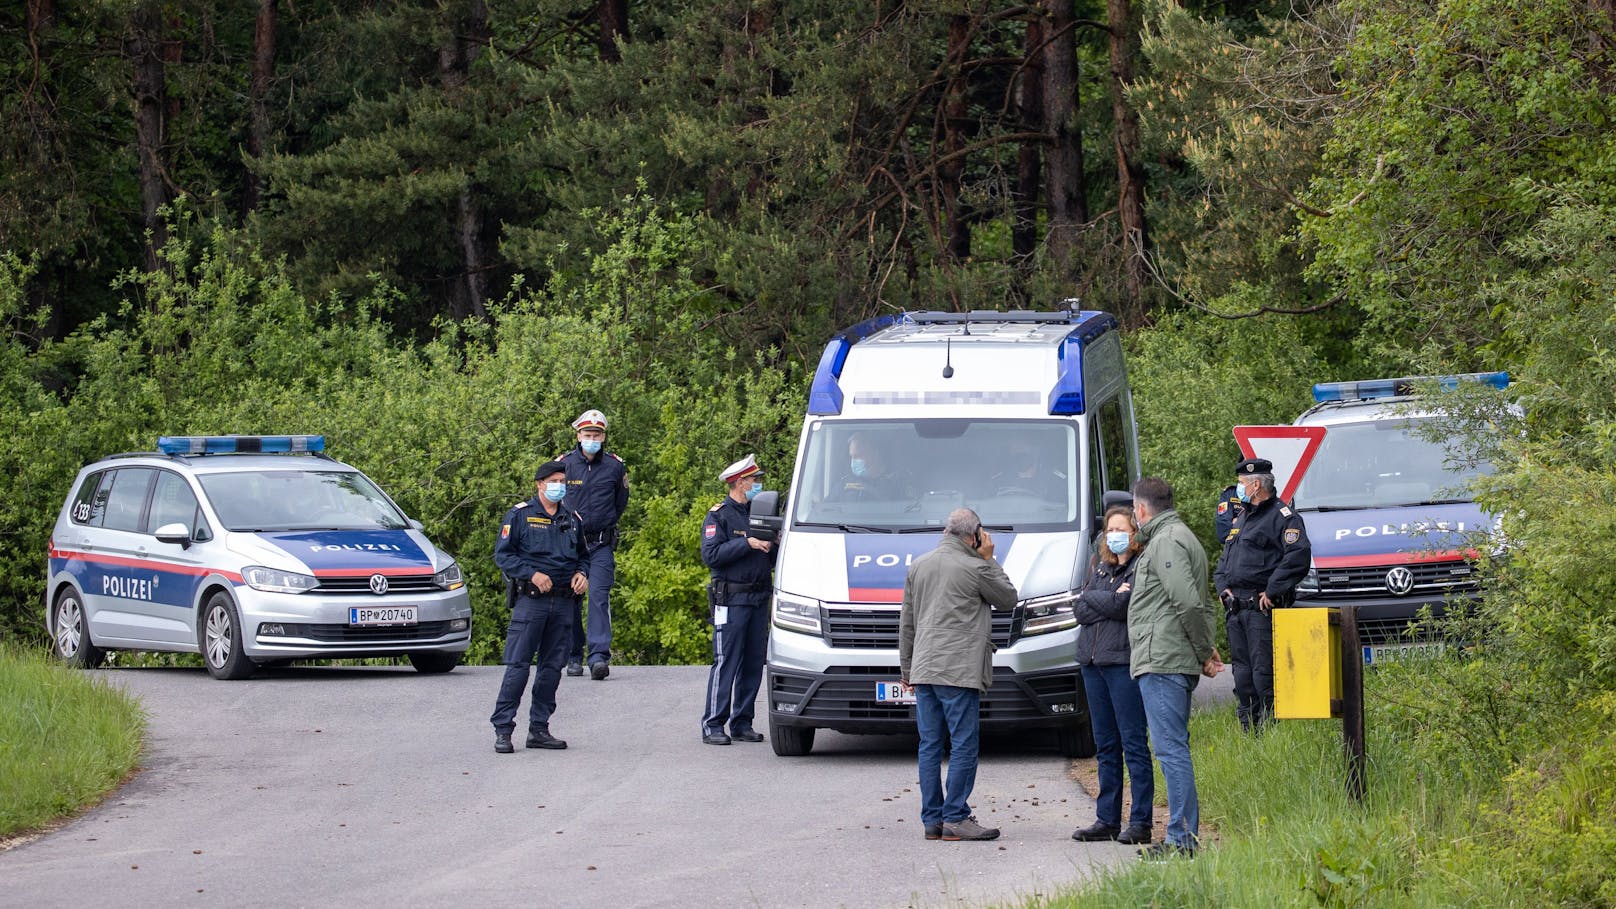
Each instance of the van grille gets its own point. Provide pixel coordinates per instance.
(876, 627)
(1429, 577)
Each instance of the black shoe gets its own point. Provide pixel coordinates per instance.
(934, 831)
(715, 738)
(599, 670)
(1163, 851)
(1136, 835)
(575, 667)
(1096, 833)
(502, 743)
(746, 734)
(541, 738)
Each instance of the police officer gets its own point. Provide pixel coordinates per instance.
(1229, 507)
(541, 553)
(739, 595)
(868, 477)
(597, 488)
(1265, 555)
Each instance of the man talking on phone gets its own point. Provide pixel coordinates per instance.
(945, 651)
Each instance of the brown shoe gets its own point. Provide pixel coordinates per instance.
(968, 829)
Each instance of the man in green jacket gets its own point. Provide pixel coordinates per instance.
(945, 650)
(1170, 639)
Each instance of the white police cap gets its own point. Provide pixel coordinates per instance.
(745, 467)
(590, 419)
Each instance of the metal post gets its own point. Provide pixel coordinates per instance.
(1352, 702)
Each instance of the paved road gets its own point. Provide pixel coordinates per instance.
(327, 786)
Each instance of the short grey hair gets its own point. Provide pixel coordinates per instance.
(962, 523)
(1267, 481)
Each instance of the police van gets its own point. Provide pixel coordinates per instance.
(1388, 510)
(248, 550)
(1024, 417)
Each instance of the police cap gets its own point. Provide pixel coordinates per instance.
(548, 468)
(590, 419)
(1249, 466)
(745, 467)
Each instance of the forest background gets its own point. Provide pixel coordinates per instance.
(436, 230)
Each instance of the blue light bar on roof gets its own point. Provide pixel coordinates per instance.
(825, 395)
(206, 445)
(1067, 397)
(1395, 388)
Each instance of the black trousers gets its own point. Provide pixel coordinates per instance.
(1251, 646)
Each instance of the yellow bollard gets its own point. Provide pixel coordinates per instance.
(1307, 664)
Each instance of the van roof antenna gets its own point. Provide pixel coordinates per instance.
(948, 358)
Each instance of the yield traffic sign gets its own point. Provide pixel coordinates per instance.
(1290, 448)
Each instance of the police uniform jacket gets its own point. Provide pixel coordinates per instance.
(740, 572)
(531, 539)
(1229, 508)
(598, 490)
(945, 631)
(1103, 614)
(1266, 551)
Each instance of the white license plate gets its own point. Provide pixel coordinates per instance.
(894, 693)
(1391, 653)
(381, 615)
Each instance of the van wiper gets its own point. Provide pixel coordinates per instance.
(919, 530)
(847, 528)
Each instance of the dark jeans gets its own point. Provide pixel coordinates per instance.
(539, 628)
(739, 647)
(944, 712)
(1117, 715)
(1167, 710)
(1251, 648)
(602, 572)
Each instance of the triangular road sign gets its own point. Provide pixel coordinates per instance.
(1291, 448)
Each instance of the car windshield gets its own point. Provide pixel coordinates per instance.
(895, 476)
(300, 500)
(1384, 463)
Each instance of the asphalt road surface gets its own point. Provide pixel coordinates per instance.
(330, 786)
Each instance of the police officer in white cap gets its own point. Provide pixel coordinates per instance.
(741, 567)
(597, 487)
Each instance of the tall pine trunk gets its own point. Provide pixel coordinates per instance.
(950, 174)
(1124, 27)
(613, 18)
(468, 34)
(263, 74)
(144, 49)
(1029, 156)
(1065, 185)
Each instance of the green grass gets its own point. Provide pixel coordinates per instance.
(66, 738)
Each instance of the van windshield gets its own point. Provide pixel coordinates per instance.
(893, 476)
(252, 500)
(1381, 464)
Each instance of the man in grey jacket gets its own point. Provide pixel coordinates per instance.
(1170, 640)
(945, 650)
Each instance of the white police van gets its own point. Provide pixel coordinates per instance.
(1393, 525)
(248, 550)
(1024, 417)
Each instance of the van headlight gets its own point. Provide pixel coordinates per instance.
(1309, 584)
(274, 580)
(1051, 613)
(449, 578)
(794, 614)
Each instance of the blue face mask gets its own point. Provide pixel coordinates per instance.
(1117, 540)
(858, 467)
(1244, 496)
(590, 446)
(753, 490)
(555, 491)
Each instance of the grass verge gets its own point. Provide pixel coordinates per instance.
(66, 738)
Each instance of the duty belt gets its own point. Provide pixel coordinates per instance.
(726, 589)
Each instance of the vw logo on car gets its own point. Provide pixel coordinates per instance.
(1400, 581)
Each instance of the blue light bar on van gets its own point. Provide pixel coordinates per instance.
(1067, 395)
(825, 395)
(1395, 388)
(206, 445)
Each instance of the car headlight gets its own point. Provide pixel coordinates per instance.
(450, 577)
(1051, 613)
(275, 580)
(795, 614)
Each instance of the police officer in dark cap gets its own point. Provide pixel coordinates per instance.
(741, 567)
(1265, 555)
(541, 553)
(1229, 507)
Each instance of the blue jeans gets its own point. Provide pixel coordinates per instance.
(739, 648)
(602, 571)
(944, 710)
(539, 628)
(1117, 716)
(1167, 709)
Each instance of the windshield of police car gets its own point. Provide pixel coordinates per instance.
(908, 475)
(260, 500)
(1385, 463)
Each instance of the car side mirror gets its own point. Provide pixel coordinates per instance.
(175, 533)
(764, 521)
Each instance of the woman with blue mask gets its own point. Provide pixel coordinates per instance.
(1116, 711)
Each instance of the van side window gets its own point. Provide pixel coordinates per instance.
(172, 502)
(1113, 445)
(127, 498)
(91, 502)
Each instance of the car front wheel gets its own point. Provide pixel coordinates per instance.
(221, 640)
(434, 663)
(70, 634)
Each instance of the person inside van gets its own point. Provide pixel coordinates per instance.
(1023, 473)
(869, 478)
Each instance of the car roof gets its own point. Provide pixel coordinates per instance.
(1336, 413)
(225, 463)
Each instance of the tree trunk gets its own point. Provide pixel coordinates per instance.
(1064, 183)
(469, 34)
(263, 74)
(613, 18)
(1124, 26)
(950, 175)
(143, 48)
(1029, 158)
(41, 17)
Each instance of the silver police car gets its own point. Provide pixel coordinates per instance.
(248, 550)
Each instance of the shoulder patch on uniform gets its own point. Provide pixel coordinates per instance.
(716, 507)
(1223, 508)
(710, 531)
(505, 531)
(1285, 510)
(613, 456)
(1292, 535)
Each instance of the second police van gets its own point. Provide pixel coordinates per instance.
(1024, 417)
